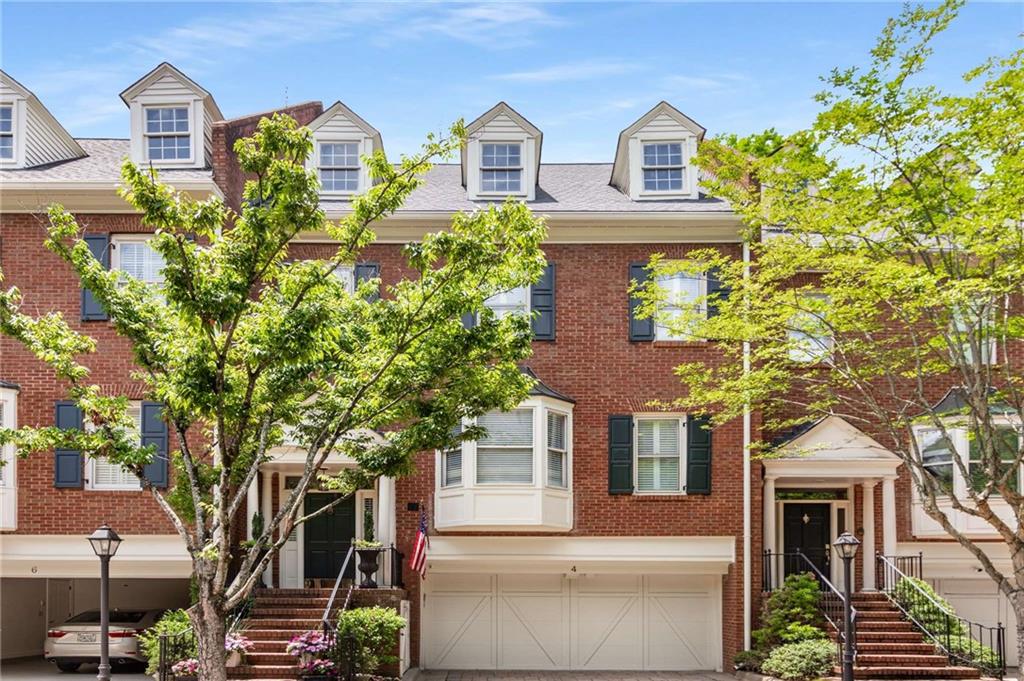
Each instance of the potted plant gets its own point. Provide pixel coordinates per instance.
(369, 561)
(237, 646)
(307, 646)
(318, 670)
(186, 669)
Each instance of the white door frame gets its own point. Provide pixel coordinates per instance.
(835, 568)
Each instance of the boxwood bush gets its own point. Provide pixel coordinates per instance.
(791, 614)
(803, 661)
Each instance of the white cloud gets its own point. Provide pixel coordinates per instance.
(572, 71)
(706, 83)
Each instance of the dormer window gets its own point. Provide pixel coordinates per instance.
(168, 137)
(501, 168)
(663, 167)
(7, 132)
(339, 167)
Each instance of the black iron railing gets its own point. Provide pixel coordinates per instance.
(182, 645)
(911, 566)
(831, 601)
(961, 640)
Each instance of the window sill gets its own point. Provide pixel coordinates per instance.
(679, 343)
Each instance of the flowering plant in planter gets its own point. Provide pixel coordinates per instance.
(307, 646)
(319, 668)
(237, 646)
(189, 667)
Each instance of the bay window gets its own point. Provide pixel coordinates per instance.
(938, 451)
(556, 449)
(1006, 445)
(505, 454)
(937, 455)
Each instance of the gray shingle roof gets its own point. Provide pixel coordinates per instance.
(101, 164)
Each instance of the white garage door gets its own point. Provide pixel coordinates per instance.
(616, 622)
(979, 600)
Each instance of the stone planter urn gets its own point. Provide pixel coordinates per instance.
(234, 658)
(369, 562)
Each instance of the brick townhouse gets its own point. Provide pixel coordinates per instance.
(587, 531)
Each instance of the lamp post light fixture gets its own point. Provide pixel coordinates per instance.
(104, 543)
(846, 546)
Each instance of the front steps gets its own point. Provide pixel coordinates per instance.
(888, 646)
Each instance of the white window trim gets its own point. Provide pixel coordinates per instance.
(9, 486)
(991, 358)
(362, 496)
(683, 452)
(636, 172)
(823, 346)
(960, 441)
(683, 169)
(196, 126)
(480, 168)
(474, 160)
(17, 133)
(540, 406)
(117, 240)
(528, 309)
(193, 132)
(90, 483)
(364, 148)
(661, 332)
(535, 414)
(347, 274)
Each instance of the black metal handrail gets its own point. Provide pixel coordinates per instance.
(178, 646)
(961, 640)
(911, 566)
(831, 602)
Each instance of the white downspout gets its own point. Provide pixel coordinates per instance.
(747, 567)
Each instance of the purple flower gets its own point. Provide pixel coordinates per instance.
(318, 668)
(310, 642)
(189, 667)
(233, 642)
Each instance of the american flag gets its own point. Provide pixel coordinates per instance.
(418, 562)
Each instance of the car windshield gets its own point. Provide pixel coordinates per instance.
(116, 617)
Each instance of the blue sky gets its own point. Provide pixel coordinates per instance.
(580, 71)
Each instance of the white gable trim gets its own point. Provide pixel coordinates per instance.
(168, 69)
(833, 448)
(627, 172)
(25, 105)
(528, 135)
(358, 131)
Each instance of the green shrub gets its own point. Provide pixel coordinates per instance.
(374, 636)
(791, 614)
(802, 661)
(930, 615)
(748, 660)
(972, 651)
(181, 647)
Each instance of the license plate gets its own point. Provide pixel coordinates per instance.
(87, 638)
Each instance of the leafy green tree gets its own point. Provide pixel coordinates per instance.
(241, 344)
(887, 259)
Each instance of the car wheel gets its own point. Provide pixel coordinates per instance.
(68, 667)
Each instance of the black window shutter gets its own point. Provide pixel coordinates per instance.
(365, 271)
(67, 463)
(542, 305)
(698, 455)
(99, 246)
(718, 290)
(154, 432)
(639, 329)
(620, 454)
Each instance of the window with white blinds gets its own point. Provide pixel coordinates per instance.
(136, 258)
(557, 474)
(104, 475)
(516, 301)
(505, 454)
(658, 454)
(451, 464)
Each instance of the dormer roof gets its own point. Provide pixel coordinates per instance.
(39, 138)
(339, 111)
(663, 121)
(166, 72)
(502, 117)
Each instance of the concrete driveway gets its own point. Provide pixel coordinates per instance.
(570, 676)
(38, 669)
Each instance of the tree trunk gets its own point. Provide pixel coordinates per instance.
(1017, 603)
(209, 626)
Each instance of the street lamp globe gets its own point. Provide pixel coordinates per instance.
(846, 545)
(104, 541)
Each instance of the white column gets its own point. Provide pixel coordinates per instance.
(252, 504)
(268, 512)
(889, 516)
(867, 548)
(385, 520)
(768, 499)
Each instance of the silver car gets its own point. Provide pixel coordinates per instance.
(77, 640)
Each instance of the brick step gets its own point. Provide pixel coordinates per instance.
(906, 672)
(283, 634)
(293, 611)
(888, 636)
(873, 648)
(876, 615)
(288, 623)
(285, 601)
(900, 659)
(865, 606)
(869, 596)
(274, 645)
(258, 659)
(325, 592)
(263, 672)
(884, 625)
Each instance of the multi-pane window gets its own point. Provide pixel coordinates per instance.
(505, 454)
(1006, 445)
(501, 168)
(136, 258)
(6, 132)
(658, 454)
(346, 274)
(810, 339)
(104, 475)
(339, 166)
(514, 301)
(973, 329)
(682, 291)
(936, 455)
(451, 465)
(557, 453)
(663, 167)
(167, 135)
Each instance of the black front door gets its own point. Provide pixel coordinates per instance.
(328, 536)
(807, 528)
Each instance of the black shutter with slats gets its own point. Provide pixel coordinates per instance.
(99, 246)
(154, 432)
(639, 329)
(542, 305)
(365, 271)
(698, 455)
(718, 291)
(620, 454)
(67, 463)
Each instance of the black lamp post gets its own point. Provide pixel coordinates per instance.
(104, 543)
(846, 546)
